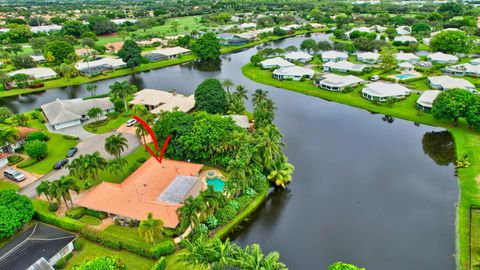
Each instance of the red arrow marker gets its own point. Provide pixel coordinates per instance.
(154, 140)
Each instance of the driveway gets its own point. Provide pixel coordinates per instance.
(29, 177)
(94, 142)
(76, 131)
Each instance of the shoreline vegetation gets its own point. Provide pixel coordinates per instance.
(466, 141)
(63, 82)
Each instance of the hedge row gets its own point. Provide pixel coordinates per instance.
(12, 160)
(62, 222)
(27, 163)
(139, 248)
(97, 214)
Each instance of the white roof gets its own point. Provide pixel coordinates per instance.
(120, 21)
(62, 111)
(163, 100)
(45, 28)
(405, 65)
(406, 56)
(427, 98)
(439, 56)
(475, 61)
(405, 39)
(109, 61)
(170, 51)
(344, 65)
(340, 81)
(334, 54)
(298, 55)
(467, 67)
(37, 73)
(368, 55)
(37, 58)
(240, 120)
(383, 89)
(294, 71)
(277, 61)
(447, 82)
(404, 30)
(247, 25)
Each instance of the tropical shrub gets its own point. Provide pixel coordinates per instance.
(14, 159)
(211, 222)
(163, 248)
(36, 135)
(101, 263)
(97, 214)
(53, 207)
(15, 211)
(78, 244)
(62, 262)
(225, 214)
(161, 264)
(75, 213)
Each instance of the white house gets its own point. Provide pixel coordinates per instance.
(38, 58)
(405, 39)
(99, 66)
(475, 61)
(368, 57)
(442, 58)
(67, 113)
(334, 82)
(293, 73)
(381, 91)
(45, 28)
(157, 101)
(302, 57)
(276, 62)
(406, 66)
(122, 21)
(343, 66)
(38, 73)
(447, 82)
(334, 56)
(406, 57)
(403, 30)
(425, 101)
(462, 69)
(166, 53)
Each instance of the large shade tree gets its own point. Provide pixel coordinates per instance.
(211, 97)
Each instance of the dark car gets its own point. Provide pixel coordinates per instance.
(60, 164)
(72, 151)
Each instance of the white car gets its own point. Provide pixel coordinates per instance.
(131, 122)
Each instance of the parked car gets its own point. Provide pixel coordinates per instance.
(374, 78)
(60, 164)
(14, 175)
(72, 151)
(131, 122)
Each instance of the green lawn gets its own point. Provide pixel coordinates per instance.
(90, 220)
(8, 185)
(467, 142)
(90, 249)
(112, 123)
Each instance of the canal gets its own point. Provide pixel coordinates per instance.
(370, 190)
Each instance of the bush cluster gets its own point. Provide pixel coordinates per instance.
(14, 159)
(75, 213)
(62, 222)
(97, 214)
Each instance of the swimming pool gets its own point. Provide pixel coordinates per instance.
(405, 76)
(217, 183)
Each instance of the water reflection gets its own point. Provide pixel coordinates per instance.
(439, 146)
(207, 66)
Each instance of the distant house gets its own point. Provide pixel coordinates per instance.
(224, 38)
(475, 61)
(240, 120)
(45, 28)
(157, 101)
(405, 39)
(247, 25)
(425, 101)
(114, 47)
(368, 57)
(334, 56)
(67, 113)
(23, 132)
(40, 247)
(343, 66)
(295, 73)
(302, 57)
(403, 30)
(462, 69)
(38, 58)
(83, 51)
(406, 66)
(122, 21)
(157, 188)
(334, 82)
(442, 58)
(38, 73)
(406, 57)
(447, 82)
(381, 91)
(152, 41)
(237, 41)
(166, 53)
(101, 65)
(276, 62)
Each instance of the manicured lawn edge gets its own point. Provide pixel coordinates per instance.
(62, 82)
(223, 232)
(465, 139)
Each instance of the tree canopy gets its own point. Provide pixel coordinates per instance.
(15, 211)
(101, 262)
(211, 97)
(450, 41)
(452, 104)
(130, 54)
(60, 50)
(207, 47)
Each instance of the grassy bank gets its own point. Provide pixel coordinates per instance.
(63, 82)
(466, 140)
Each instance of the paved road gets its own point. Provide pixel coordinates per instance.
(89, 145)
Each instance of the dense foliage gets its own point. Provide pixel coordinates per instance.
(211, 97)
(58, 51)
(207, 47)
(15, 211)
(130, 54)
(101, 263)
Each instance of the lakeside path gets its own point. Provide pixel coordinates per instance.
(467, 143)
(63, 82)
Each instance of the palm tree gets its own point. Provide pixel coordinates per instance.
(259, 96)
(269, 145)
(95, 163)
(191, 210)
(44, 188)
(199, 254)
(116, 144)
(227, 83)
(9, 136)
(92, 89)
(4, 79)
(252, 258)
(237, 171)
(67, 184)
(78, 168)
(281, 173)
(224, 252)
(150, 228)
(123, 90)
(241, 91)
(115, 166)
(212, 198)
(66, 70)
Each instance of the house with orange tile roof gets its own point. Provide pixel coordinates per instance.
(157, 188)
(114, 46)
(22, 134)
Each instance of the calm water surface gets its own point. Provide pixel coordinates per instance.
(367, 190)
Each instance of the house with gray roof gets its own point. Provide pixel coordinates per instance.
(38, 248)
(67, 113)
